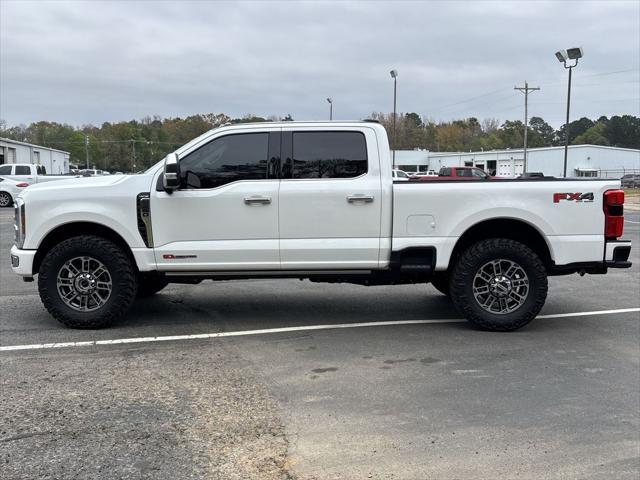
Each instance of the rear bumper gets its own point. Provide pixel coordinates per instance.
(616, 255)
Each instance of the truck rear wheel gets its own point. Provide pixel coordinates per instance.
(87, 282)
(499, 284)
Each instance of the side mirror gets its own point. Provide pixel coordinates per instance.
(171, 177)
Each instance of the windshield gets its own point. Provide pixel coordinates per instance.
(153, 167)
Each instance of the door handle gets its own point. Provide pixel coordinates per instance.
(359, 198)
(257, 200)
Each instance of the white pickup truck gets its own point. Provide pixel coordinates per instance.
(29, 173)
(312, 200)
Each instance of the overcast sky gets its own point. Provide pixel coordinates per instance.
(90, 62)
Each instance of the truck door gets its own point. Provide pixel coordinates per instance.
(330, 199)
(225, 214)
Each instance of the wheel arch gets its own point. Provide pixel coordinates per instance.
(511, 228)
(75, 229)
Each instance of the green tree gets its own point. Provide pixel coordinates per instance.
(512, 134)
(543, 133)
(596, 135)
(623, 131)
(577, 127)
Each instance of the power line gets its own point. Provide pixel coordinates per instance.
(442, 107)
(493, 92)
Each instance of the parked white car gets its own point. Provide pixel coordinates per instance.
(29, 173)
(399, 176)
(310, 200)
(428, 173)
(10, 189)
(92, 172)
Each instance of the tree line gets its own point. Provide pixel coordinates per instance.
(137, 144)
(469, 134)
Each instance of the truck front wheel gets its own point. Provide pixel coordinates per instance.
(87, 282)
(499, 284)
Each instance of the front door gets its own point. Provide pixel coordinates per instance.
(225, 214)
(330, 199)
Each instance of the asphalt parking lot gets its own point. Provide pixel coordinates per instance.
(558, 399)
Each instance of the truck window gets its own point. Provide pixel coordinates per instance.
(329, 154)
(5, 170)
(226, 159)
(22, 170)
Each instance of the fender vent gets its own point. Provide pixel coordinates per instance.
(143, 204)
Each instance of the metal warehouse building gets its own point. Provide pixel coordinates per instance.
(54, 161)
(582, 161)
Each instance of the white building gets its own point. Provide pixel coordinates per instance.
(54, 161)
(582, 161)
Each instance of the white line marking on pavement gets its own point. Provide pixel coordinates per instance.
(631, 221)
(302, 328)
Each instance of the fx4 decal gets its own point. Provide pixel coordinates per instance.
(573, 197)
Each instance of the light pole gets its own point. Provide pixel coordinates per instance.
(562, 56)
(330, 100)
(394, 75)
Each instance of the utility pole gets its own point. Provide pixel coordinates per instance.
(86, 151)
(133, 158)
(526, 89)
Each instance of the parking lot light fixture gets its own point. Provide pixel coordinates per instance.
(394, 75)
(575, 54)
(330, 100)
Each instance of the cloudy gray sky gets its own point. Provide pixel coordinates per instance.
(90, 62)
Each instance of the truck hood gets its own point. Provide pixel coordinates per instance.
(87, 186)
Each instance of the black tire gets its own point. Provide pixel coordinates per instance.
(118, 265)
(478, 256)
(149, 284)
(440, 282)
(6, 200)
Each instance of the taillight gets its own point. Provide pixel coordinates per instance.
(22, 184)
(612, 204)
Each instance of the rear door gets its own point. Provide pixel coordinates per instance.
(330, 199)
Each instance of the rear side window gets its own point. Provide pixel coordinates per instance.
(445, 172)
(5, 170)
(329, 154)
(22, 170)
(225, 160)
